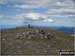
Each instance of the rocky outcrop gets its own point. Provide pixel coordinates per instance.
(40, 33)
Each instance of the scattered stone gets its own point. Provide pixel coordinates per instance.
(3, 39)
(45, 51)
(37, 31)
(9, 55)
(28, 32)
(24, 33)
(29, 37)
(38, 46)
(10, 43)
(18, 41)
(19, 51)
(48, 46)
(18, 47)
(15, 53)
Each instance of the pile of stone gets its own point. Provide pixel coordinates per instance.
(36, 34)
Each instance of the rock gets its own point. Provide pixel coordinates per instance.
(20, 35)
(3, 39)
(29, 37)
(48, 46)
(38, 46)
(45, 37)
(18, 41)
(15, 53)
(18, 47)
(45, 51)
(24, 33)
(19, 51)
(10, 43)
(37, 31)
(28, 32)
(9, 55)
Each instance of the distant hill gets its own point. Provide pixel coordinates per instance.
(68, 30)
(13, 42)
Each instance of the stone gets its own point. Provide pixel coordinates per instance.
(48, 46)
(24, 33)
(38, 46)
(15, 53)
(45, 36)
(19, 51)
(18, 47)
(18, 41)
(45, 51)
(28, 32)
(9, 55)
(10, 43)
(3, 39)
(29, 37)
(37, 31)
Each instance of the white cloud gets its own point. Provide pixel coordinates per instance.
(49, 20)
(44, 3)
(3, 2)
(1, 16)
(65, 10)
(59, 3)
(61, 16)
(26, 6)
(65, 7)
(35, 16)
(28, 17)
(60, 11)
(32, 17)
(18, 10)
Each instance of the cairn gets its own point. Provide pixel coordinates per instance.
(37, 34)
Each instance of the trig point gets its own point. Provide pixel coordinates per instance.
(28, 25)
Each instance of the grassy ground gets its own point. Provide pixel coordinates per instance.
(13, 45)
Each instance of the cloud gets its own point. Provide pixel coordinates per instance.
(49, 20)
(18, 10)
(53, 8)
(39, 3)
(1, 16)
(60, 11)
(27, 17)
(35, 16)
(26, 6)
(3, 2)
(66, 7)
(44, 3)
(30, 17)
(61, 16)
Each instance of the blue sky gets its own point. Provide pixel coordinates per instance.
(37, 12)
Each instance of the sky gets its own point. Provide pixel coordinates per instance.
(38, 12)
